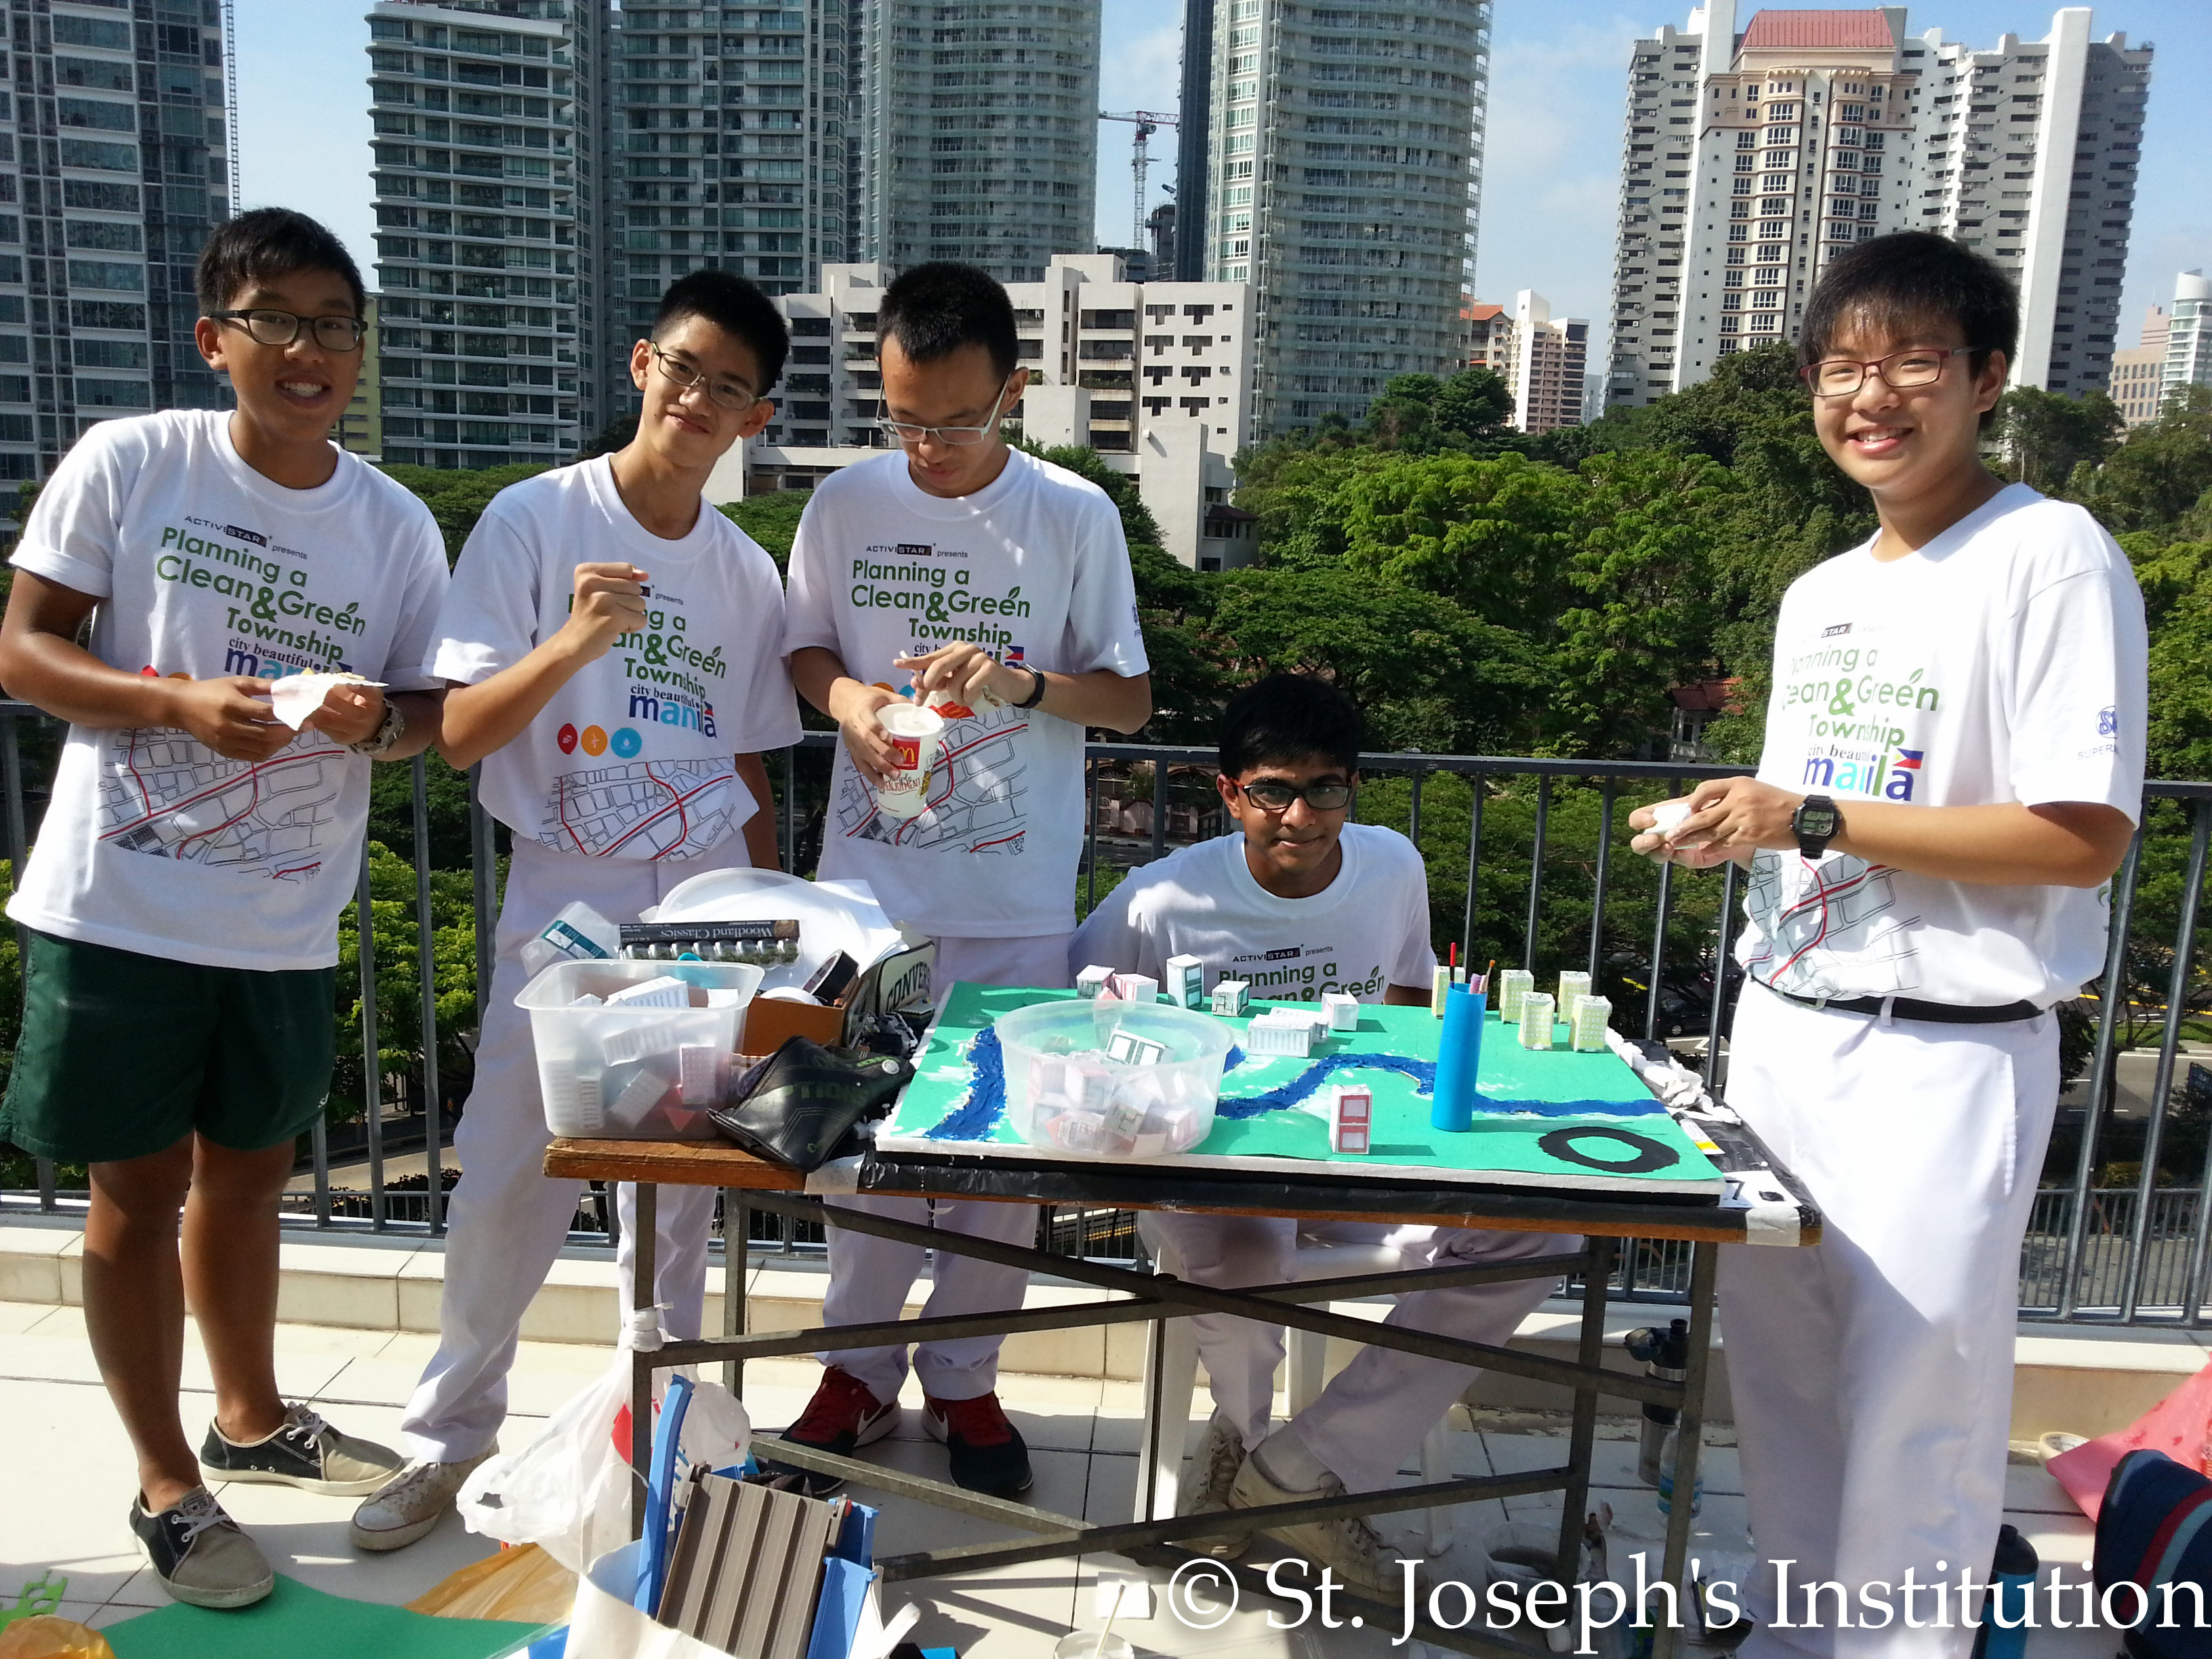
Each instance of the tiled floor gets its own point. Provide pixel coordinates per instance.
(65, 1446)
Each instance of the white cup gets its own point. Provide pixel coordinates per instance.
(915, 734)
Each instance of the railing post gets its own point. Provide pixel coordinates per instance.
(1720, 973)
(1658, 951)
(2101, 1071)
(1089, 834)
(1537, 871)
(791, 809)
(2177, 996)
(372, 1065)
(1598, 880)
(1473, 863)
(483, 860)
(11, 780)
(425, 966)
(1413, 812)
(1159, 810)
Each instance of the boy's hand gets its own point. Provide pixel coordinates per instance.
(1729, 817)
(609, 602)
(349, 713)
(854, 706)
(965, 671)
(230, 715)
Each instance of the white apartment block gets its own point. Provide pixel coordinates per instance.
(1489, 338)
(1155, 376)
(115, 163)
(2189, 337)
(1548, 355)
(2138, 380)
(1343, 181)
(1752, 160)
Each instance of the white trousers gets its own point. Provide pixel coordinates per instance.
(1872, 1373)
(870, 1277)
(1371, 1418)
(507, 1221)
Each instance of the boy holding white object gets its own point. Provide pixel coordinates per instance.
(181, 906)
(1953, 770)
(619, 706)
(1001, 585)
(1302, 903)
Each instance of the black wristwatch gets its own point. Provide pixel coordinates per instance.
(1036, 691)
(1816, 823)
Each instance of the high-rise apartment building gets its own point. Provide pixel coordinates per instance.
(2189, 335)
(975, 132)
(1343, 182)
(2138, 385)
(115, 162)
(1547, 362)
(1752, 160)
(1489, 337)
(487, 163)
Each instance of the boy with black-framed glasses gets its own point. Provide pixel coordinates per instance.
(1297, 903)
(999, 585)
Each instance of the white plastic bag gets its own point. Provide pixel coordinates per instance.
(568, 1491)
(604, 1624)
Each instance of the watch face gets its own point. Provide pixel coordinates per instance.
(1818, 821)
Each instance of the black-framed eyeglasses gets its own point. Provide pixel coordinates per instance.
(1839, 377)
(726, 393)
(912, 432)
(1273, 795)
(279, 328)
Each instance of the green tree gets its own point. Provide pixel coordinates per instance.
(2046, 434)
(456, 497)
(771, 520)
(2155, 479)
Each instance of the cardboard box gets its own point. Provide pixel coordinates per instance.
(898, 981)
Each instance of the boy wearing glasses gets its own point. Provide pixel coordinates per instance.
(182, 903)
(614, 647)
(1297, 903)
(1000, 585)
(1952, 770)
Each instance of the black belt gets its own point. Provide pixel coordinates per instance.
(1942, 1013)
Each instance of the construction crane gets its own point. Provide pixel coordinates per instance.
(1147, 122)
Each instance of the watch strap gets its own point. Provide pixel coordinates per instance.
(389, 730)
(1036, 690)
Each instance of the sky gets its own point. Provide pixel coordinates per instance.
(1551, 176)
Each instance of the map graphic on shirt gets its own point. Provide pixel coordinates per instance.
(163, 791)
(646, 809)
(977, 800)
(1842, 905)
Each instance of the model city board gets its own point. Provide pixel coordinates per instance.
(1548, 1119)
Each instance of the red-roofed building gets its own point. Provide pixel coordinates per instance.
(1489, 337)
(1859, 31)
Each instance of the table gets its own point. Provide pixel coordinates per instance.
(751, 1182)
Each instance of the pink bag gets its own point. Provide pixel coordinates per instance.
(2180, 1426)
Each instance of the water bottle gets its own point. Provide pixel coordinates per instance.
(2012, 1591)
(1666, 1482)
(1666, 1356)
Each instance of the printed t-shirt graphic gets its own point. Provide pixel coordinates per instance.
(205, 569)
(633, 757)
(2004, 661)
(1032, 568)
(1363, 933)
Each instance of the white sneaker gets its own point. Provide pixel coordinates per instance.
(1343, 1541)
(1214, 1471)
(410, 1505)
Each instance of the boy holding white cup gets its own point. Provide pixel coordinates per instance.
(1001, 585)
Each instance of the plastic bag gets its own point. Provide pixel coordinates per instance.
(44, 1637)
(2180, 1426)
(568, 1491)
(523, 1584)
(606, 1627)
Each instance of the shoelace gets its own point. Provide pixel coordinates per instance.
(980, 1422)
(409, 1484)
(304, 1421)
(840, 1406)
(195, 1513)
(1224, 1456)
(1360, 1539)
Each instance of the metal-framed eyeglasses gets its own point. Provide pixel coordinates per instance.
(281, 328)
(1273, 795)
(728, 394)
(913, 432)
(1917, 366)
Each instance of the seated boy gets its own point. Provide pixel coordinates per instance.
(1297, 903)
(606, 626)
(182, 903)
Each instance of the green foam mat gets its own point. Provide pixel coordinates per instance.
(294, 1621)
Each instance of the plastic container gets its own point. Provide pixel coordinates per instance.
(1063, 1092)
(597, 1067)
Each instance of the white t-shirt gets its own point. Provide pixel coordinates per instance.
(204, 568)
(1032, 568)
(2004, 661)
(1363, 933)
(634, 756)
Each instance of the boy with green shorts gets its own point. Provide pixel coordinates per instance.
(182, 901)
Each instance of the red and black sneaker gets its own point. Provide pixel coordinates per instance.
(842, 1417)
(988, 1453)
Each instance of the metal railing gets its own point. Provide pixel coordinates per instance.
(1525, 865)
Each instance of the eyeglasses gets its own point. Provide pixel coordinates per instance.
(1839, 377)
(1272, 795)
(727, 393)
(279, 328)
(910, 432)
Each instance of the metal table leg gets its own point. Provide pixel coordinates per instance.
(1705, 1260)
(642, 1358)
(737, 1271)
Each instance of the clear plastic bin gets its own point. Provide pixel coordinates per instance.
(597, 1067)
(1064, 1091)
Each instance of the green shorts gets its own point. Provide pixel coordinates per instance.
(124, 1054)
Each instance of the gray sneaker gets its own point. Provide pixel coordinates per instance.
(200, 1555)
(1214, 1474)
(304, 1452)
(1346, 1541)
(410, 1505)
